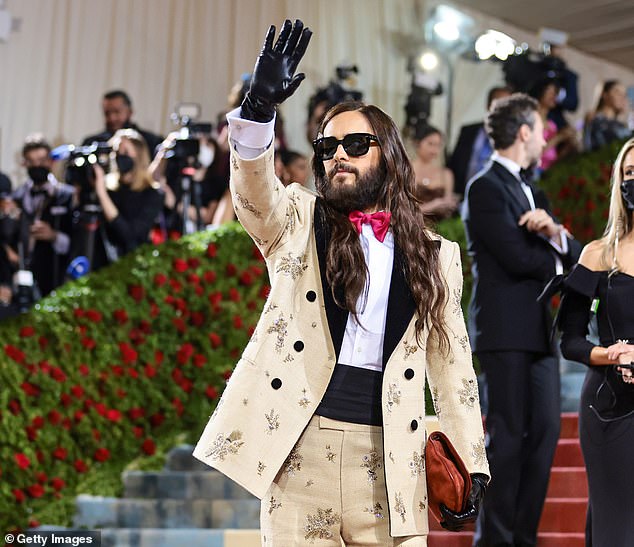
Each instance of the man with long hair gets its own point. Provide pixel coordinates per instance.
(517, 246)
(323, 418)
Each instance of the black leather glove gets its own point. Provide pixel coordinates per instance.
(273, 80)
(454, 522)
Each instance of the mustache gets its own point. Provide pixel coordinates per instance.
(340, 166)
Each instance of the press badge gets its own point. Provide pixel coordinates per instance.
(594, 306)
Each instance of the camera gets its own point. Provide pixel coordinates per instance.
(185, 148)
(80, 161)
(522, 72)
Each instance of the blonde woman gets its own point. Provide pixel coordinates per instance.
(128, 198)
(603, 283)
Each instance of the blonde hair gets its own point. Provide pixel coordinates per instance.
(620, 218)
(141, 177)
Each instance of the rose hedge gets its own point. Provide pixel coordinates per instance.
(118, 367)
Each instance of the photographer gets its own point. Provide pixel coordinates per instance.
(9, 236)
(46, 219)
(128, 199)
(209, 181)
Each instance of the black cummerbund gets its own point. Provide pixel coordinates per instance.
(353, 395)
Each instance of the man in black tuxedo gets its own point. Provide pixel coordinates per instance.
(516, 247)
(473, 149)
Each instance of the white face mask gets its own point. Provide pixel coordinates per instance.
(206, 155)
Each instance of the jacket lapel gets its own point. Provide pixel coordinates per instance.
(512, 186)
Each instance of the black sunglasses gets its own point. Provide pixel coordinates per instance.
(355, 145)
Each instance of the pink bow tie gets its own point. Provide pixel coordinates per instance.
(379, 221)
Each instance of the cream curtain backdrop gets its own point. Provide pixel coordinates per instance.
(68, 52)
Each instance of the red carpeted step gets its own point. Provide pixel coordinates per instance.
(568, 454)
(568, 482)
(569, 425)
(564, 515)
(464, 539)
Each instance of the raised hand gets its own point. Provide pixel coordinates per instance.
(274, 79)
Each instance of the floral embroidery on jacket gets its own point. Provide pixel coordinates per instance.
(273, 422)
(372, 462)
(280, 327)
(434, 400)
(261, 468)
(291, 265)
(469, 393)
(417, 464)
(377, 510)
(393, 396)
(225, 445)
(318, 526)
(399, 506)
(274, 504)
(246, 204)
(293, 462)
(479, 452)
(409, 350)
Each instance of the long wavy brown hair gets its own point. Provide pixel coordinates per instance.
(346, 270)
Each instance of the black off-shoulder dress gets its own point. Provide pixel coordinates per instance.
(606, 414)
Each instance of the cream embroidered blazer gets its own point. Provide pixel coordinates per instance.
(286, 367)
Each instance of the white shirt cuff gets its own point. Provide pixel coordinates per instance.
(560, 243)
(249, 138)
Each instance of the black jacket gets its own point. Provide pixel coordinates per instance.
(510, 265)
(461, 156)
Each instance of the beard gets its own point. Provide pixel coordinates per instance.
(361, 195)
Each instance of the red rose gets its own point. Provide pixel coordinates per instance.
(176, 285)
(78, 312)
(14, 407)
(160, 279)
(132, 373)
(250, 331)
(117, 370)
(215, 340)
(177, 375)
(77, 391)
(212, 249)
(21, 460)
(145, 326)
(186, 385)
(234, 295)
(137, 431)
(96, 434)
(34, 523)
(256, 270)
(14, 353)
(193, 278)
(136, 413)
(54, 417)
(122, 393)
(179, 265)
(80, 466)
(149, 370)
(128, 353)
(209, 276)
(35, 490)
(237, 322)
(45, 367)
(158, 357)
(120, 316)
(60, 453)
(94, 316)
(215, 298)
(43, 342)
(211, 392)
(113, 415)
(66, 423)
(88, 343)
(231, 270)
(184, 353)
(78, 416)
(41, 477)
(148, 447)
(199, 360)
(101, 409)
(38, 422)
(27, 331)
(65, 399)
(199, 290)
(179, 325)
(57, 483)
(264, 292)
(257, 254)
(31, 433)
(193, 262)
(227, 373)
(58, 374)
(154, 309)
(18, 495)
(137, 292)
(30, 389)
(102, 454)
(157, 419)
(252, 305)
(178, 405)
(197, 318)
(246, 278)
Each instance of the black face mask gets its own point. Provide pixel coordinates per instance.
(125, 163)
(39, 175)
(627, 191)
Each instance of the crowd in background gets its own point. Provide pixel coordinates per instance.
(71, 216)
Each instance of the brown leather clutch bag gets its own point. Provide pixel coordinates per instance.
(448, 481)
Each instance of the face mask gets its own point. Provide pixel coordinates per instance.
(206, 156)
(627, 191)
(39, 175)
(125, 163)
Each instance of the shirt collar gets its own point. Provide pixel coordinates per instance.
(510, 165)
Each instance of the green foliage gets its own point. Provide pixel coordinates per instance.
(116, 368)
(578, 188)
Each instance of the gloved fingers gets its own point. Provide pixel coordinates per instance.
(294, 83)
(297, 55)
(283, 37)
(451, 527)
(268, 41)
(296, 32)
